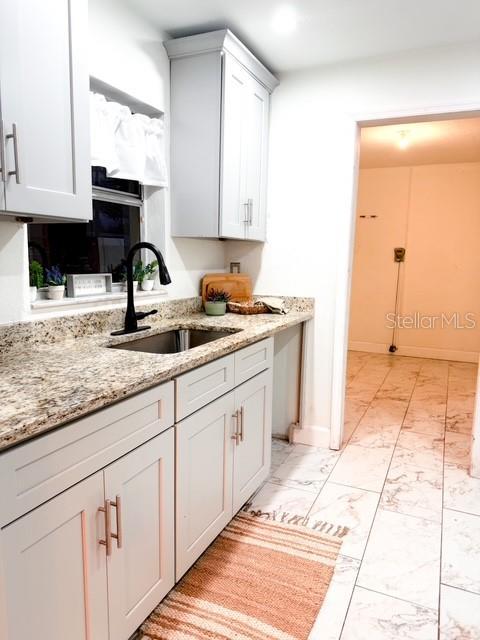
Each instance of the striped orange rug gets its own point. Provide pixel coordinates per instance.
(264, 578)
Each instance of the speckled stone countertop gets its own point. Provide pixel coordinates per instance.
(54, 371)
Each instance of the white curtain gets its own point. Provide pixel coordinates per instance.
(129, 146)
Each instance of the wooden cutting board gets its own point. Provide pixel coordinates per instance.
(238, 285)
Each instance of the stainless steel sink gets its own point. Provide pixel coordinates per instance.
(174, 341)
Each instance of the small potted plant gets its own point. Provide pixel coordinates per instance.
(147, 277)
(56, 283)
(36, 279)
(216, 302)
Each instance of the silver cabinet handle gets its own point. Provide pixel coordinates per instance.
(241, 423)
(236, 435)
(250, 211)
(119, 535)
(247, 212)
(107, 543)
(14, 137)
(3, 167)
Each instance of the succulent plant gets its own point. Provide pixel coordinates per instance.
(218, 295)
(54, 277)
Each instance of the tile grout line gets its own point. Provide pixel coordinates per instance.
(342, 452)
(355, 585)
(415, 604)
(388, 372)
(451, 586)
(364, 364)
(443, 505)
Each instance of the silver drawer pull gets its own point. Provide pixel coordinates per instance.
(14, 137)
(236, 435)
(241, 423)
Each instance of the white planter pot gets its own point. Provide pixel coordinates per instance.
(56, 292)
(147, 285)
(33, 294)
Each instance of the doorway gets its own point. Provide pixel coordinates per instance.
(414, 330)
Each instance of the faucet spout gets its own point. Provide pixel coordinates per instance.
(131, 316)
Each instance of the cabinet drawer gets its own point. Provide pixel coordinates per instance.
(38, 470)
(253, 359)
(197, 388)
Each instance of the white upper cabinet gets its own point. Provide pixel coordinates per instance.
(220, 95)
(44, 109)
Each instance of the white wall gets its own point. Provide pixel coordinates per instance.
(126, 51)
(14, 302)
(312, 185)
(433, 211)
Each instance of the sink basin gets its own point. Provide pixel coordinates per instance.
(174, 341)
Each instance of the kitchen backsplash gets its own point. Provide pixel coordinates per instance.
(22, 335)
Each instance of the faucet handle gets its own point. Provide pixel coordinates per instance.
(140, 315)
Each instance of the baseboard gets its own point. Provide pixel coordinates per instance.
(369, 347)
(417, 352)
(312, 436)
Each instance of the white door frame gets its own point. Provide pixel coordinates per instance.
(344, 269)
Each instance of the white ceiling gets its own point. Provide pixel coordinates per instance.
(428, 143)
(327, 31)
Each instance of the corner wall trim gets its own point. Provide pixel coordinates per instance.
(313, 436)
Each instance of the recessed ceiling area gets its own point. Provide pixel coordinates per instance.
(415, 143)
(306, 33)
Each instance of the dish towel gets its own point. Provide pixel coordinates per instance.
(276, 305)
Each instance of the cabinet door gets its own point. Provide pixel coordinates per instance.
(256, 143)
(203, 479)
(252, 453)
(141, 566)
(2, 163)
(233, 209)
(54, 568)
(44, 96)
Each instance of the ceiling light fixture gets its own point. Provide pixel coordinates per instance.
(404, 141)
(285, 19)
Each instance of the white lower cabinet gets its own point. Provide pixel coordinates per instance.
(68, 578)
(99, 519)
(203, 479)
(141, 567)
(223, 455)
(252, 453)
(55, 570)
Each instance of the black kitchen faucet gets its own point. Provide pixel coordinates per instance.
(132, 316)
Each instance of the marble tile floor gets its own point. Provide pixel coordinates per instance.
(410, 564)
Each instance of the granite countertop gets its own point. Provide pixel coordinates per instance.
(48, 384)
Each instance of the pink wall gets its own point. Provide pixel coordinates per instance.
(433, 211)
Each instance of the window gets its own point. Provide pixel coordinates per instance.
(101, 245)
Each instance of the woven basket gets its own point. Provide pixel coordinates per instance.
(247, 308)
